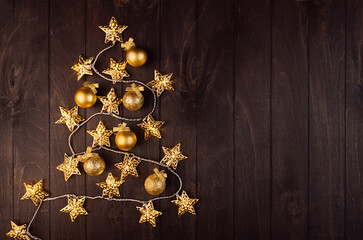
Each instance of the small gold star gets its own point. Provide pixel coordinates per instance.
(129, 44)
(84, 66)
(161, 83)
(148, 213)
(69, 167)
(101, 136)
(128, 166)
(151, 127)
(172, 156)
(70, 117)
(18, 232)
(110, 187)
(185, 204)
(113, 31)
(75, 207)
(34, 192)
(110, 102)
(116, 70)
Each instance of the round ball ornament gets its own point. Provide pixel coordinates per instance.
(155, 184)
(125, 138)
(136, 56)
(94, 166)
(133, 99)
(85, 97)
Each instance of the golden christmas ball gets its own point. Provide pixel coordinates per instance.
(85, 98)
(94, 166)
(125, 138)
(136, 56)
(155, 184)
(132, 101)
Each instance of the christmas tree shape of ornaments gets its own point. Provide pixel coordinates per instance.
(125, 139)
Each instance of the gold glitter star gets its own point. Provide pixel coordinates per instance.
(161, 83)
(172, 156)
(18, 232)
(129, 44)
(69, 167)
(148, 213)
(185, 204)
(83, 67)
(70, 117)
(34, 192)
(110, 187)
(110, 102)
(100, 135)
(128, 166)
(151, 127)
(75, 207)
(116, 70)
(113, 31)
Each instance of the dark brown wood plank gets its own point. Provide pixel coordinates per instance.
(289, 126)
(252, 119)
(67, 34)
(354, 120)
(31, 109)
(214, 102)
(327, 120)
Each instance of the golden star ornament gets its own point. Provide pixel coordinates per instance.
(18, 232)
(110, 102)
(161, 83)
(151, 127)
(69, 167)
(172, 156)
(116, 70)
(70, 117)
(185, 204)
(75, 207)
(148, 213)
(113, 31)
(127, 45)
(101, 136)
(128, 166)
(34, 192)
(84, 66)
(110, 186)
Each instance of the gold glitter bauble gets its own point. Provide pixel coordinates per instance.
(136, 56)
(85, 98)
(125, 140)
(155, 183)
(132, 101)
(94, 166)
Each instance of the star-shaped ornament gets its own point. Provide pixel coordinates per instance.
(113, 31)
(128, 166)
(129, 44)
(161, 83)
(172, 156)
(75, 207)
(34, 192)
(116, 70)
(70, 117)
(110, 102)
(101, 136)
(148, 213)
(151, 127)
(69, 167)
(18, 232)
(185, 204)
(110, 186)
(84, 66)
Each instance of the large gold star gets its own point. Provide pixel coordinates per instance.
(110, 186)
(70, 117)
(172, 156)
(185, 204)
(110, 102)
(151, 127)
(18, 232)
(101, 136)
(116, 70)
(75, 207)
(113, 31)
(148, 213)
(34, 192)
(128, 166)
(161, 83)
(69, 167)
(84, 66)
